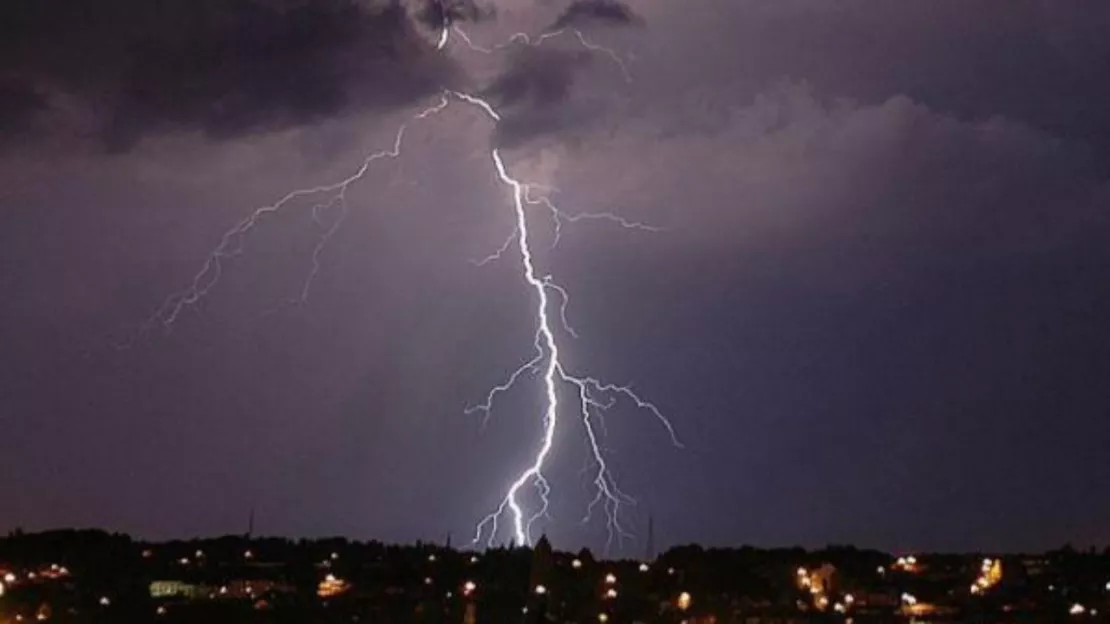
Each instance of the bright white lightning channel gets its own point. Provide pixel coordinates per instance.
(592, 395)
(607, 493)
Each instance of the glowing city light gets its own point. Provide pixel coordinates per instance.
(105, 601)
(610, 578)
(684, 601)
(644, 567)
(602, 617)
(990, 574)
(611, 593)
(905, 564)
(540, 590)
(576, 564)
(330, 587)
(1077, 609)
(469, 587)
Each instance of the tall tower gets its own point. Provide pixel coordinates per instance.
(649, 555)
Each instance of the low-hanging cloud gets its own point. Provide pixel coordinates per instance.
(224, 69)
(437, 13)
(533, 93)
(865, 183)
(609, 12)
(19, 103)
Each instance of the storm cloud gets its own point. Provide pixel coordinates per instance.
(223, 68)
(437, 13)
(607, 12)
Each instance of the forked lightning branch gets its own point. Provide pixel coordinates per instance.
(568, 394)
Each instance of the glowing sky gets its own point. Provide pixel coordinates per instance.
(877, 312)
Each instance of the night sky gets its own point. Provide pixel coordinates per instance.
(878, 310)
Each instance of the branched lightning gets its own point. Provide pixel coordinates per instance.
(525, 39)
(559, 217)
(547, 359)
(592, 396)
(231, 242)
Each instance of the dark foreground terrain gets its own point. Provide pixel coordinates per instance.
(93, 576)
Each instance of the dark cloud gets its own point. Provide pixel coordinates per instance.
(19, 102)
(532, 93)
(611, 12)
(1039, 63)
(222, 68)
(435, 13)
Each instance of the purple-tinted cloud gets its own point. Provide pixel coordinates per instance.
(226, 70)
(607, 12)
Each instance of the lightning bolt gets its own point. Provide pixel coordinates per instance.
(547, 358)
(231, 242)
(522, 38)
(591, 395)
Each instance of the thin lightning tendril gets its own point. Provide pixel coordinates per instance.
(593, 396)
(231, 242)
(525, 39)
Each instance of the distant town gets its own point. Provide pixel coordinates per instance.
(95, 576)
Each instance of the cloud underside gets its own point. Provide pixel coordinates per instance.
(867, 184)
(223, 68)
(130, 68)
(608, 12)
